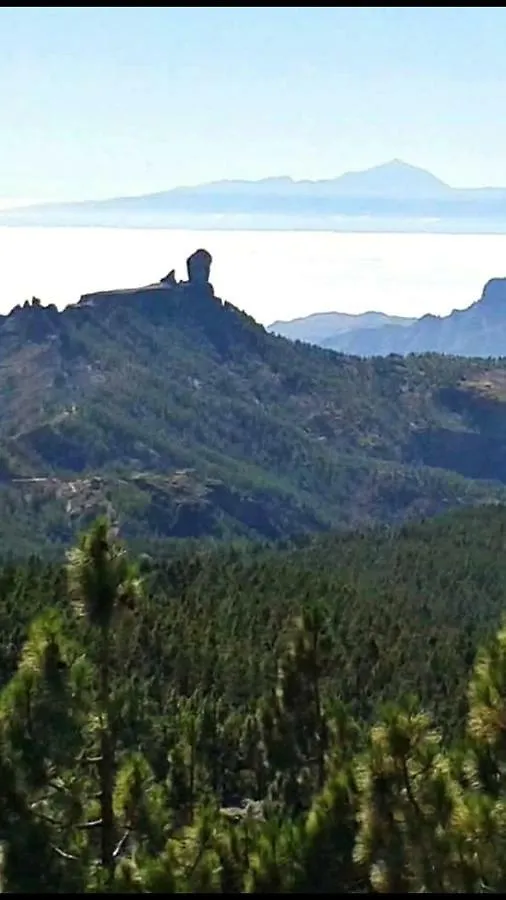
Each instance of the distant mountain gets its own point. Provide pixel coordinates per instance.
(182, 417)
(324, 328)
(394, 195)
(392, 179)
(479, 330)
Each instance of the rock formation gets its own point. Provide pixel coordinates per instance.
(199, 267)
(170, 279)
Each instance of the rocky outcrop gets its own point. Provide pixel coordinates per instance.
(170, 279)
(248, 809)
(199, 267)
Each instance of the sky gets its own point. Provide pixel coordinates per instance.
(108, 101)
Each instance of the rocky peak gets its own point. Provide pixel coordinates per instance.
(494, 295)
(198, 266)
(170, 279)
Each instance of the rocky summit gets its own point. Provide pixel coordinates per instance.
(198, 266)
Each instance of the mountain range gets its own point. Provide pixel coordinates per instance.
(182, 417)
(394, 195)
(479, 330)
(326, 329)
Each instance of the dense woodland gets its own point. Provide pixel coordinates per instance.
(319, 716)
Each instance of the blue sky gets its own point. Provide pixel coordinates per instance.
(104, 101)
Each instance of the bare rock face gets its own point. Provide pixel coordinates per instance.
(199, 267)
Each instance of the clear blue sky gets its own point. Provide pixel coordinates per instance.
(106, 101)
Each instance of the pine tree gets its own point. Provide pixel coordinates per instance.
(103, 583)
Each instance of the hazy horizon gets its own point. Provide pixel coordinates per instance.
(245, 93)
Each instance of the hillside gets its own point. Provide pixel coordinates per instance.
(479, 330)
(184, 418)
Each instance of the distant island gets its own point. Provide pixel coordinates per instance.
(394, 197)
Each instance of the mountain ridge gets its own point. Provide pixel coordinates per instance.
(182, 417)
(478, 330)
(320, 328)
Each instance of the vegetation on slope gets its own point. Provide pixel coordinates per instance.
(185, 418)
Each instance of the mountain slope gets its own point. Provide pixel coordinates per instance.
(183, 417)
(479, 330)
